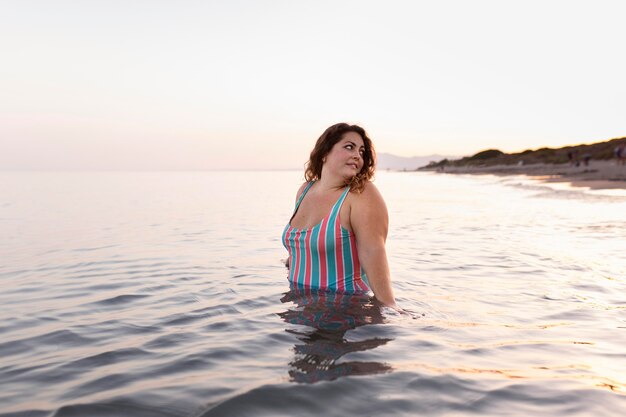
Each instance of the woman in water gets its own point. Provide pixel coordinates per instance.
(336, 236)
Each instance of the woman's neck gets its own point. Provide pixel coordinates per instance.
(329, 183)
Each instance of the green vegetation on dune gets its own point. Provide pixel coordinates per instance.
(595, 151)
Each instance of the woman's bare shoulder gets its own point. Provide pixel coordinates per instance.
(369, 195)
(368, 212)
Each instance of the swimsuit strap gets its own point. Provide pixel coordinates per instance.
(302, 196)
(334, 212)
(343, 196)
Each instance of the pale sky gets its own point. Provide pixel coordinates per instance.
(252, 84)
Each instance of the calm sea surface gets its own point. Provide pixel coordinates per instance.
(163, 294)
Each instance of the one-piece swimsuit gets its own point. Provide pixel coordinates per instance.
(324, 256)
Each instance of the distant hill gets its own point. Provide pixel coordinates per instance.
(400, 163)
(595, 151)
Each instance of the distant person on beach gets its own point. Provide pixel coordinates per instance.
(574, 159)
(336, 235)
(586, 158)
(620, 154)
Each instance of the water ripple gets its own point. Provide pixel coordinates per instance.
(513, 301)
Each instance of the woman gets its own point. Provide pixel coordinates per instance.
(336, 236)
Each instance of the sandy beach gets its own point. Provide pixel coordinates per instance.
(596, 175)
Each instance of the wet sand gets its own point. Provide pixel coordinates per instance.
(596, 175)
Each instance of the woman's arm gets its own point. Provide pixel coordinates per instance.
(369, 221)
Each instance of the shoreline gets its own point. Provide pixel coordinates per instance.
(598, 175)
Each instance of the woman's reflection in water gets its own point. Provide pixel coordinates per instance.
(330, 315)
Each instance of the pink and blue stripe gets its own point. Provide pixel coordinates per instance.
(324, 256)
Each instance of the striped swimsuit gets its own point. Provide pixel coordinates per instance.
(325, 255)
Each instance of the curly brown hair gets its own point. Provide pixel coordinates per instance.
(332, 135)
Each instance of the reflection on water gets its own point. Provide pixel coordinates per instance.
(158, 294)
(330, 316)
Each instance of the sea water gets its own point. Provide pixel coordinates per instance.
(165, 294)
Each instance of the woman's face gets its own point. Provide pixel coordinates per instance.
(346, 157)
